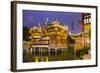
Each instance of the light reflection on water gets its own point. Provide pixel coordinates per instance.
(46, 55)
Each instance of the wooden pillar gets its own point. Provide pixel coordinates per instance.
(55, 51)
(61, 51)
(34, 51)
(49, 51)
(39, 50)
(27, 50)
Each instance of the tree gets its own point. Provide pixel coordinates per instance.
(26, 33)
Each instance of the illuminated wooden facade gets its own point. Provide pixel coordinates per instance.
(86, 19)
(58, 34)
(82, 39)
(50, 37)
(79, 41)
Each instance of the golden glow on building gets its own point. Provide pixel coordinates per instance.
(87, 28)
(55, 33)
(79, 40)
(55, 39)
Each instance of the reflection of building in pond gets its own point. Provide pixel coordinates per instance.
(50, 38)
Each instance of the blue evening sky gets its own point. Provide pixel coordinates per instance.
(70, 19)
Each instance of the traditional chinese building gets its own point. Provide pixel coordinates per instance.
(55, 38)
(48, 38)
(79, 41)
(86, 19)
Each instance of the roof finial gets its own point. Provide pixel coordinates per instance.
(39, 24)
(46, 21)
(56, 20)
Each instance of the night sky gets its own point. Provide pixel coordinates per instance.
(70, 19)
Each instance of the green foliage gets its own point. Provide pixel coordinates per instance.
(26, 33)
(81, 52)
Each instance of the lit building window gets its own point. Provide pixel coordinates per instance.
(89, 20)
(84, 21)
